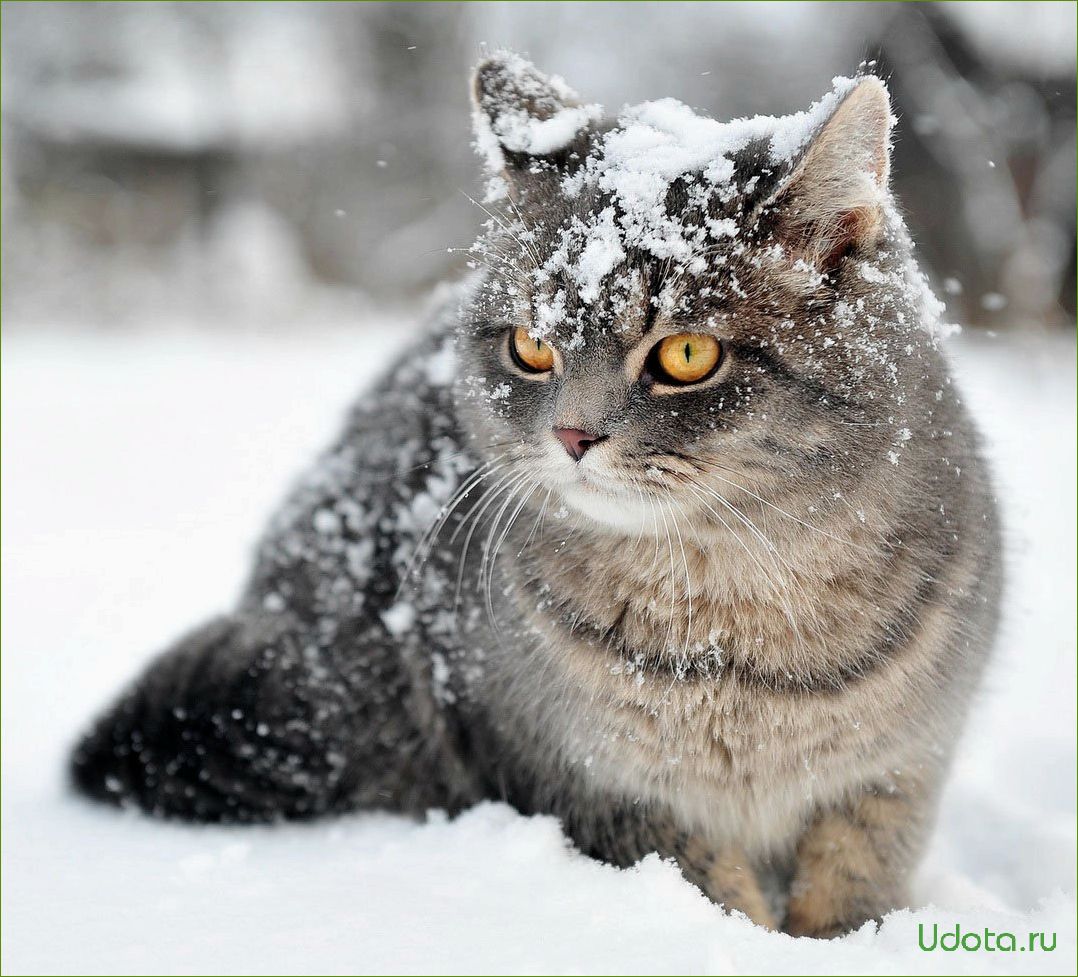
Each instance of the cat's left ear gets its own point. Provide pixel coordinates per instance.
(525, 121)
(833, 201)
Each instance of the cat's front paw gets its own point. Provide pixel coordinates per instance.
(823, 914)
(816, 927)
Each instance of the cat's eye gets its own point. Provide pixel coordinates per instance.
(688, 357)
(529, 353)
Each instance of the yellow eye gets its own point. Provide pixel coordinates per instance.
(531, 354)
(688, 357)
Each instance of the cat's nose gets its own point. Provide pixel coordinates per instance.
(576, 442)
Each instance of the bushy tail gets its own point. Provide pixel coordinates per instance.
(234, 723)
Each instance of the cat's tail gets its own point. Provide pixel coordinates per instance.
(234, 723)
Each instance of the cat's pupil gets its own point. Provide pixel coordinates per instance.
(688, 352)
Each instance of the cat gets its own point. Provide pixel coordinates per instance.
(672, 525)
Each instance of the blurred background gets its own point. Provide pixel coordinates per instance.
(273, 164)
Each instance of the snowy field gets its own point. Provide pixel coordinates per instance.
(137, 472)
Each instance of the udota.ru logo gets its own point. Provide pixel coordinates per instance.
(973, 940)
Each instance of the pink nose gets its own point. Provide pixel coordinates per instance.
(576, 442)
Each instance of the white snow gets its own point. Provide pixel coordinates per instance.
(512, 128)
(635, 163)
(522, 134)
(137, 474)
(399, 618)
(601, 255)
(656, 142)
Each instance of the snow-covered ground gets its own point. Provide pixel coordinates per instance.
(137, 471)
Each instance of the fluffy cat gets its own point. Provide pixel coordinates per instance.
(673, 526)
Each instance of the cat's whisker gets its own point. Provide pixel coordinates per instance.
(506, 268)
(654, 529)
(492, 529)
(453, 457)
(510, 273)
(673, 573)
(688, 584)
(507, 484)
(683, 662)
(486, 562)
(528, 229)
(771, 505)
(770, 547)
(774, 586)
(472, 521)
(641, 495)
(504, 225)
(778, 591)
(482, 580)
(536, 524)
(768, 544)
(501, 540)
(478, 508)
(569, 536)
(425, 546)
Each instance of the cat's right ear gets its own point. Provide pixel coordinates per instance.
(527, 123)
(834, 198)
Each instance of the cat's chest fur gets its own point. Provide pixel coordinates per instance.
(706, 710)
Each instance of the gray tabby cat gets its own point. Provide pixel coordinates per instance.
(674, 527)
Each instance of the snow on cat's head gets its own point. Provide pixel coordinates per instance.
(663, 295)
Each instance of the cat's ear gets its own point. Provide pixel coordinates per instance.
(833, 201)
(524, 120)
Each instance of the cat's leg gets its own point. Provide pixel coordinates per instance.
(854, 862)
(624, 833)
(246, 720)
(728, 877)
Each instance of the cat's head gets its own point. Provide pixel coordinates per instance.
(667, 304)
